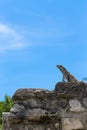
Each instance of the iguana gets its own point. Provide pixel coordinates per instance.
(66, 75)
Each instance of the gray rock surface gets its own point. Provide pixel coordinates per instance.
(75, 106)
(64, 108)
(72, 124)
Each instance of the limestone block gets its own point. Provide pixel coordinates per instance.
(17, 108)
(64, 108)
(85, 102)
(32, 103)
(72, 124)
(75, 106)
(35, 114)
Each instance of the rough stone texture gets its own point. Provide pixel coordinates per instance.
(72, 124)
(64, 108)
(75, 106)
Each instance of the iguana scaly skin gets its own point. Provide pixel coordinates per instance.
(66, 75)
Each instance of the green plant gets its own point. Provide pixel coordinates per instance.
(0, 127)
(5, 106)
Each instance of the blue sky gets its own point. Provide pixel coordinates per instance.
(35, 36)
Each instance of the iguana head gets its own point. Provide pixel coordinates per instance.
(59, 67)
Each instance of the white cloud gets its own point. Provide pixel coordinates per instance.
(10, 39)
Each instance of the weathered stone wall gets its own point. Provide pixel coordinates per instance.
(64, 108)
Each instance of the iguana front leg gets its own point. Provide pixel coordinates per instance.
(63, 79)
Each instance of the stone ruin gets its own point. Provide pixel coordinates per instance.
(64, 108)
